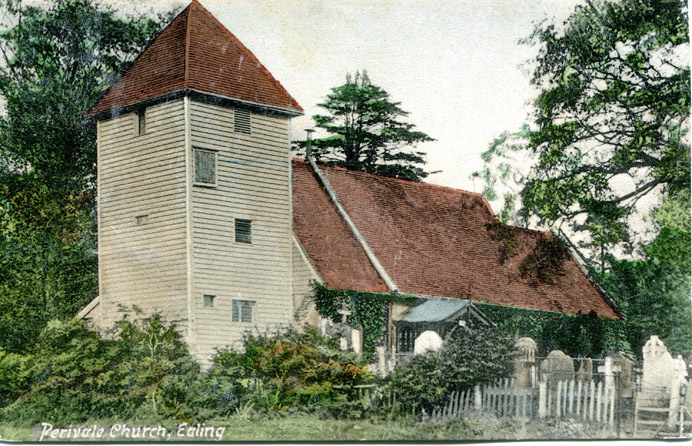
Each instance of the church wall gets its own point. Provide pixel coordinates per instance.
(305, 311)
(142, 262)
(252, 184)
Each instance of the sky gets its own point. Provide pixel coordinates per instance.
(455, 65)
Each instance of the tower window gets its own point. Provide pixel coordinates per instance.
(141, 122)
(242, 311)
(142, 219)
(243, 231)
(205, 167)
(241, 121)
(209, 300)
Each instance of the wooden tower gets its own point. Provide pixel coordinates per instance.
(194, 191)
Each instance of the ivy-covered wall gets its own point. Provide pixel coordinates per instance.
(368, 311)
(574, 334)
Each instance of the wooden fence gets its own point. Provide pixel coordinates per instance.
(568, 399)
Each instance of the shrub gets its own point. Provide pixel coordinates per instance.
(277, 372)
(467, 358)
(74, 375)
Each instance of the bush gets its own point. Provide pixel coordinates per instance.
(287, 370)
(467, 358)
(74, 375)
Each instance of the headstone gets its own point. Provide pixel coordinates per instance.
(427, 341)
(524, 360)
(356, 345)
(556, 367)
(658, 371)
(623, 369)
(585, 373)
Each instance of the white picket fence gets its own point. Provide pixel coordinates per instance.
(568, 399)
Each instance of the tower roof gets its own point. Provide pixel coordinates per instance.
(196, 52)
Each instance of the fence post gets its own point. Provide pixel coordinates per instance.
(592, 388)
(598, 401)
(612, 406)
(477, 397)
(542, 396)
(558, 401)
(571, 396)
(579, 385)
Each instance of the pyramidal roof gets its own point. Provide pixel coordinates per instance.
(196, 52)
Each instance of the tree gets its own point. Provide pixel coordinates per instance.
(367, 133)
(611, 123)
(610, 132)
(55, 61)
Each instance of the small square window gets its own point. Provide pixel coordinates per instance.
(142, 219)
(205, 167)
(243, 231)
(141, 122)
(241, 121)
(209, 300)
(242, 311)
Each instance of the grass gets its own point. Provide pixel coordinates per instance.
(308, 427)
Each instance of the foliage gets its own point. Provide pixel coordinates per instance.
(655, 298)
(57, 58)
(71, 375)
(285, 370)
(545, 260)
(467, 358)
(41, 277)
(368, 311)
(610, 125)
(576, 335)
(507, 235)
(367, 133)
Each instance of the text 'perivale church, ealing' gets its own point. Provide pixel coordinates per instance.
(205, 219)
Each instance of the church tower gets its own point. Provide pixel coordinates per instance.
(194, 189)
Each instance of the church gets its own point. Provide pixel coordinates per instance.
(205, 218)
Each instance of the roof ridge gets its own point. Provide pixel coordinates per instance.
(186, 61)
(238, 43)
(401, 180)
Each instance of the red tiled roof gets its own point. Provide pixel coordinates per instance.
(195, 51)
(432, 240)
(337, 255)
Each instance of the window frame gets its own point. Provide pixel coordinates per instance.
(215, 153)
(208, 298)
(240, 305)
(141, 122)
(240, 117)
(249, 232)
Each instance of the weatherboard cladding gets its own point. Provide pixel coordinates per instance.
(196, 52)
(432, 240)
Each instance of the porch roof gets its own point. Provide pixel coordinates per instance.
(435, 310)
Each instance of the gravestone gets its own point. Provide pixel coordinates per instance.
(427, 341)
(585, 372)
(623, 369)
(524, 361)
(659, 369)
(556, 367)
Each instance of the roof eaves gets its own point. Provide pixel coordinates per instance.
(257, 105)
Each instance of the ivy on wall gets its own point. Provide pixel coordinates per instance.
(368, 311)
(586, 335)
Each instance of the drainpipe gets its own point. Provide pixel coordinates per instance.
(342, 211)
